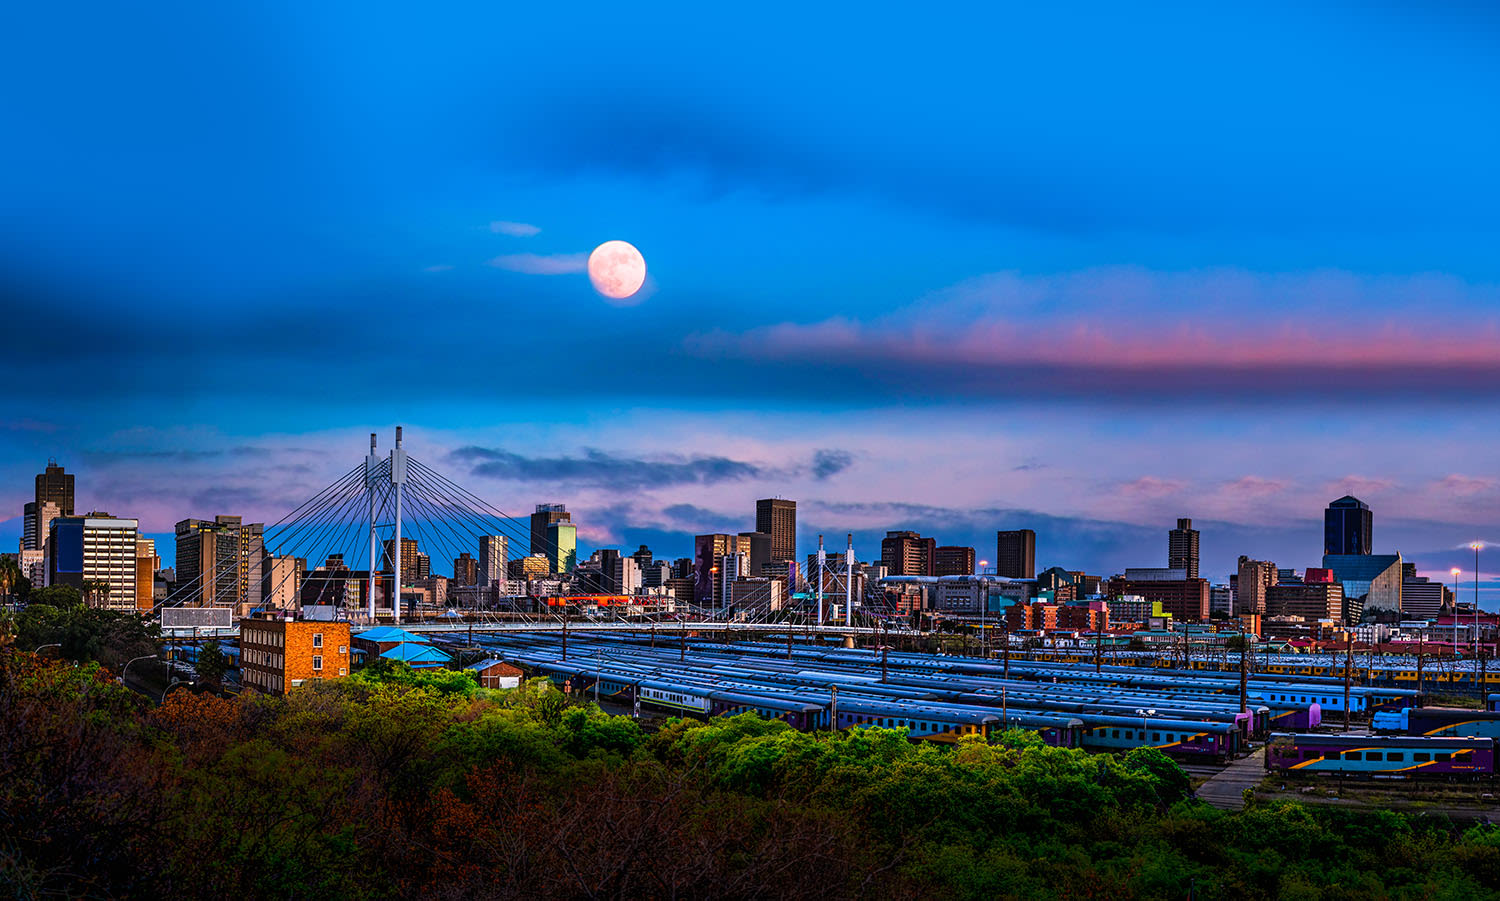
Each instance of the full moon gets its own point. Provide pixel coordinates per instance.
(617, 269)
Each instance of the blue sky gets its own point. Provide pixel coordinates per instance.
(1087, 266)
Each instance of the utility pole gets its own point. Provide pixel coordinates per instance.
(1007, 649)
(833, 709)
(565, 631)
(398, 480)
(1244, 676)
(1349, 663)
(371, 463)
(1419, 665)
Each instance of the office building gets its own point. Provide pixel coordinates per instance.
(545, 516)
(284, 575)
(562, 545)
(465, 570)
(906, 553)
(1182, 548)
(1421, 598)
(55, 486)
(1220, 602)
(953, 560)
(46, 512)
(1318, 596)
(146, 565)
(96, 552)
(1015, 554)
(708, 585)
(277, 655)
(409, 552)
(757, 547)
(220, 563)
(1372, 583)
(778, 518)
(493, 555)
(532, 566)
(30, 533)
(1184, 599)
(1252, 579)
(1346, 527)
(334, 584)
(750, 596)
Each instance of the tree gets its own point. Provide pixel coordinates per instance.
(58, 616)
(212, 663)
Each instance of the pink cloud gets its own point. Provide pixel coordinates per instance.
(1132, 319)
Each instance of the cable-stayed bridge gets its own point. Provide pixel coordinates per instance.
(345, 550)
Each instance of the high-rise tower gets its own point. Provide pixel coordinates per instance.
(1346, 527)
(1182, 548)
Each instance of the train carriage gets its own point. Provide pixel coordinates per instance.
(1382, 756)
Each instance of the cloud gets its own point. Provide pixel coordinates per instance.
(514, 229)
(542, 264)
(829, 463)
(600, 468)
(1127, 330)
(1148, 488)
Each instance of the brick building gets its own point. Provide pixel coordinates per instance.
(278, 655)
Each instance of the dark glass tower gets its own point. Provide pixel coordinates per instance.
(1346, 527)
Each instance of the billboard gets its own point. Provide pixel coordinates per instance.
(197, 617)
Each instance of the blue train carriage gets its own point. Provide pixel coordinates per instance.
(926, 723)
(1186, 738)
(1447, 721)
(1381, 756)
(800, 715)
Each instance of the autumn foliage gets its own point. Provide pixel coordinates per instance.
(396, 786)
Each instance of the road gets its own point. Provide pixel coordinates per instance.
(1226, 791)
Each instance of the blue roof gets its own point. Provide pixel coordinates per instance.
(484, 664)
(390, 633)
(416, 653)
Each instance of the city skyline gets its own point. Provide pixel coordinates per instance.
(1069, 554)
(1031, 274)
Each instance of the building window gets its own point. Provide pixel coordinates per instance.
(343, 649)
(343, 672)
(317, 663)
(317, 639)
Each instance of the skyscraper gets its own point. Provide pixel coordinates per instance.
(409, 552)
(545, 516)
(1015, 554)
(493, 550)
(30, 537)
(906, 553)
(560, 538)
(1182, 548)
(708, 554)
(1346, 527)
(778, 518)
(56, 486)
(465, 570)
(1254, 580)
(220, 563)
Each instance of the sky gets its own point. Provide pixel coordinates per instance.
(1076, 267)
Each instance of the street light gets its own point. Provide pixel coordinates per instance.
(126, 668)
(1455, 571)
(1150, 711)
(1477, 546)
(41, 648)
(984, 603)
(171, 685)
